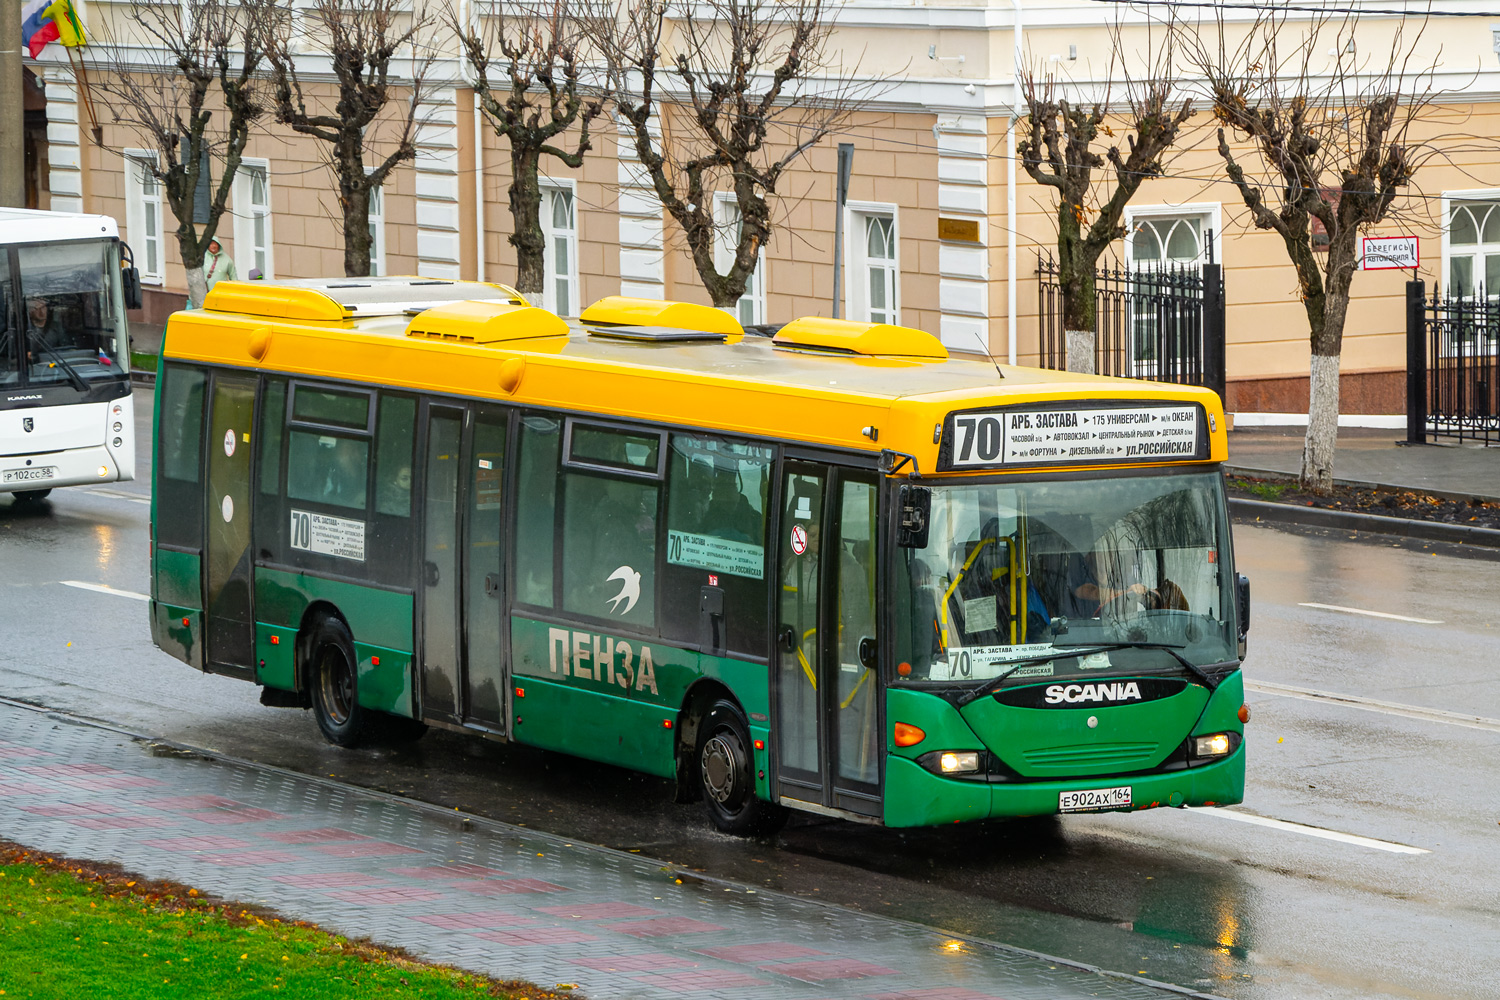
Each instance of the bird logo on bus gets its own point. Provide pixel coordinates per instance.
(630, 589)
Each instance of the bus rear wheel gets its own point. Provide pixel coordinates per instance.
(726, 774)
(334, 681)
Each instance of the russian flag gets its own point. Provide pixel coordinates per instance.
(37, 27)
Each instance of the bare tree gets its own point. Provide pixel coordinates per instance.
(192, 101)
(1059, 146)
(744, 89)
(364, 41)
(534, 104)
(1326, 138)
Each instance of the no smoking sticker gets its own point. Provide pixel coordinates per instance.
(229, 443)
(799, 539)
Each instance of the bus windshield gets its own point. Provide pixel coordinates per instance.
(1015, 575)
(64, 317)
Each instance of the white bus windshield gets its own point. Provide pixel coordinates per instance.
(63, 315)
(1017, 572)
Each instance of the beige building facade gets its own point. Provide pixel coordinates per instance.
(943, 229)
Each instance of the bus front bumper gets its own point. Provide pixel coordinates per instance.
(915, 796)
(50, 470)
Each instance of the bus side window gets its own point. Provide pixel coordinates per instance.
(536, 492)
(609, 547)
(716, 537)
(178, 487)
(272, 419)
(393, 441)
(182, 424)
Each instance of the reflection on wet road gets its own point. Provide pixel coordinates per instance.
(1406, 758)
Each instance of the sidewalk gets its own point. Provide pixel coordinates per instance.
(1372, 456)
(483, 896)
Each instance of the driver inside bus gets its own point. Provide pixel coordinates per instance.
(43, 329)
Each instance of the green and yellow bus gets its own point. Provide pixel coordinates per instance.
(834, 570)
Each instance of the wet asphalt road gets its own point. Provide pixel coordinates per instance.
(1192, 898)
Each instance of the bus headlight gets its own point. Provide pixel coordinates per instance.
(959, 763)
(1215, 745)
(119, 427)
(118, 442)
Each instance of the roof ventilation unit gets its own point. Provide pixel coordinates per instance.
(658, 320)
(485, 323)
(840, 336)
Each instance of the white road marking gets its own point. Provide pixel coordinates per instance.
(1308, 831)
(100, 588)
(1372, 614)
(1375, 705)
(117, 494)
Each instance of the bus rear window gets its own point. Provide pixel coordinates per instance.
(326, 406)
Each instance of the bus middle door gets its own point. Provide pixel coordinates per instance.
(828, 727)
(461, 571)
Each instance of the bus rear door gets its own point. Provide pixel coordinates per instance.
(229, 631)
(828, 721)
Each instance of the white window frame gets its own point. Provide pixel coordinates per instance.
(1211, 212)
(244, 220)
(139, 206)
(549, 186)
(857, 265)
(750, 310)
(1450, 199)
(377, 232)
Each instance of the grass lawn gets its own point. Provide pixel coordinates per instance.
(71, 929)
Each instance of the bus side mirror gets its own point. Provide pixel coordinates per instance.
(1242, 604)
(915, 503)
(130, 283)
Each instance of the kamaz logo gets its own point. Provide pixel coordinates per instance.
(17, 399)
(28, 424)
(1058, 694)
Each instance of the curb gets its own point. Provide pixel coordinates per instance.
(1318, 517)
(1359, 484)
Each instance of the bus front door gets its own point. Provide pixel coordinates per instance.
(828, 728)
(462, 568)
(231, 637)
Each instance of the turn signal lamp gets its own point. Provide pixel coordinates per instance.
(908, 735)
(1216, 745)
(959, 763)
(1244, 714)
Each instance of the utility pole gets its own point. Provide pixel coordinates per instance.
(12, 109)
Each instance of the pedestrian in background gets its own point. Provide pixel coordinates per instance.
(217, 265)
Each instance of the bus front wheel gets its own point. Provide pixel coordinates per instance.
(726, 773)
(333, 679)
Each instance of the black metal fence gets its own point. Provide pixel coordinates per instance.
(1163, 324)
(1452, 366)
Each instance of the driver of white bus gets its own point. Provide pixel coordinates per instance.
(43, 329)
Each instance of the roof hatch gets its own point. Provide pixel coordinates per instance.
(659, 320)
(334, 300)
(485, 323)
(840, 336)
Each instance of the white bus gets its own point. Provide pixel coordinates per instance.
(65, 408)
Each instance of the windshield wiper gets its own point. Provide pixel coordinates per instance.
(1208, 681)
(73, 376)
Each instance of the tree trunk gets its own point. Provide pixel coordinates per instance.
(1322, 424)
(526, 220)
(191, 251)
(1075, 276)
(197, 287)
(1326, 314)
(357, 238)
